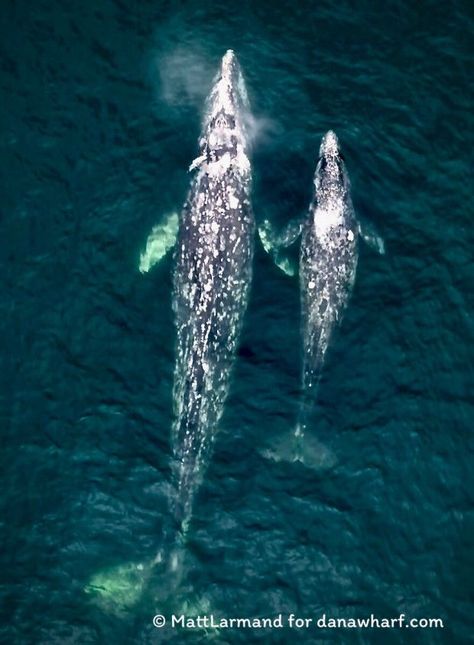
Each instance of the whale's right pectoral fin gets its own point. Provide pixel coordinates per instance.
(161, 239)
(273, 243)
(371, 237)
(287, 265)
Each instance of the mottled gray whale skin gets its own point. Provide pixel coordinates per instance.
(212, 275)
(328, 262)
(211, 280)
(329, 249)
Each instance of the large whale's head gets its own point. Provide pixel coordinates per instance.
(331, 179)
(224, 136)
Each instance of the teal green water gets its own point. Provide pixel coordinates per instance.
(100, 113)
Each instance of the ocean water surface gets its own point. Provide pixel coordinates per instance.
(100, 116)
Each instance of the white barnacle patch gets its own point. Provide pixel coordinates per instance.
(201, 199)
(350, 235)
(242, 160)
(222, 94)
(220, 166)
(326, 219)
(233, 201)
(311, 284)
(329, 145)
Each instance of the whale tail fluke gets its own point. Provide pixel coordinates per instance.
(116, 590)
(304, 449)
(120, 589)
(301, 445)
(166, 575)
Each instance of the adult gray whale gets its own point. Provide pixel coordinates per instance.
(327, 265)
(214, 237)
(212, 274)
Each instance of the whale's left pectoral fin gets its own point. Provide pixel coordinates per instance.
(371, 237)
(273, 243)
(161, 239)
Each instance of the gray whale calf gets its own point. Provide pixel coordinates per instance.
(327, 267)
(328, 262)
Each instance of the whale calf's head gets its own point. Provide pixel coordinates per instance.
(224, 134)
(331, 179)
(329, 147)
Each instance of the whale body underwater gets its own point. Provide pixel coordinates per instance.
(213, 240)
(328, 260)
(212, 270)
(328, 263)
(211, 278)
